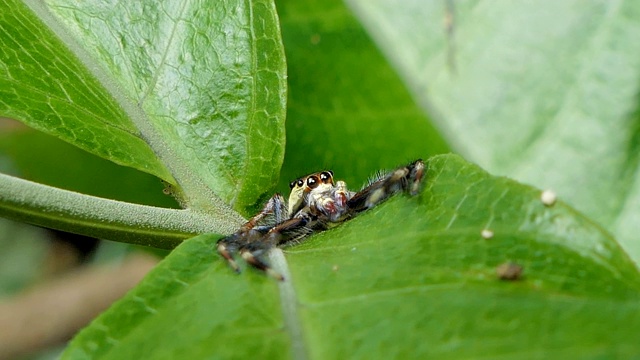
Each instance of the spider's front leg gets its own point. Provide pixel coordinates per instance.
(406, 178)
(273, 212)
(288, 230)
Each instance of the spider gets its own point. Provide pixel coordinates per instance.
(315, 204)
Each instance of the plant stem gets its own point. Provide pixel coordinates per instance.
(70, 211)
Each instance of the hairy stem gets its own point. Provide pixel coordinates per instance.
(65, 210)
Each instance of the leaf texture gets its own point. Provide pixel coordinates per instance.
(543, 91)
(191, 93)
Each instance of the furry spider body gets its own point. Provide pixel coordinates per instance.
(315, 203)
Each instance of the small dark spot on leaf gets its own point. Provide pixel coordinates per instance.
(509, 271)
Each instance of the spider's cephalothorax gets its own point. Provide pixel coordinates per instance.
(315, 203)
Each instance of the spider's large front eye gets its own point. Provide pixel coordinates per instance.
(312, 181)
(326, 177)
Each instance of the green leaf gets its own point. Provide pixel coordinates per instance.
(347, 110)
(44, 85)
(196, 293)
(545, 91)
(202, 85)
(411, 278)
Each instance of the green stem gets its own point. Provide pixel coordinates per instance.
(69, 211)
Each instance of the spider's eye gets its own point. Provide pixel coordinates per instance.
(292, 184)
(312, 181)
(300, 182)
(326, 177)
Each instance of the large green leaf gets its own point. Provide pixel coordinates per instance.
(543, 91)
(44, 85)
(199, 86)
(409, 279)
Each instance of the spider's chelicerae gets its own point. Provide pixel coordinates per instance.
(316, 203)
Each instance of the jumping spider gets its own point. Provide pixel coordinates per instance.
(315, 204)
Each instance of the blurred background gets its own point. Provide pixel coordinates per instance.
(53, 283)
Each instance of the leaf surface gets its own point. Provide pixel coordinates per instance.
(545, 91)
(45, 86)
(411, 278)
(198, 88)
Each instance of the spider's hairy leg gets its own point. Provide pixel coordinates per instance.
(288, 230)
(417, 171)
(406, 178)
(252, 257)
(276, 206)
(248, 232)
(226, 249)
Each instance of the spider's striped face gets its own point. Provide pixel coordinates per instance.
(301, 187)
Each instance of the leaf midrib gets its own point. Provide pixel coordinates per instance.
(289, 305)
(58, 30)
